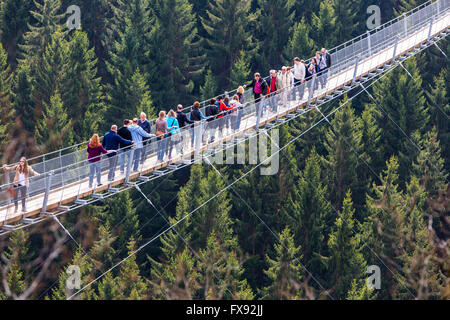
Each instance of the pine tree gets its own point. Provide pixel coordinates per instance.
(62, 292)
(120, 214)
(346, 262)
(6, 111)
(221, 272)
(14, 17)
(22, 99)
(227, 25)
(14, 257)
(401, 111)
(324, 25)
(54, 131)
(209, 88)
(439, 109)
(429, 165)
(384, 219)
(48, 20)
(285, 270)
(275, 20)
(300, 44)
(309, 214)
(131, 285)
(345, 13)
(82, 93)
(177, 52)
(343, 144)
(240, 72)
(129, 36)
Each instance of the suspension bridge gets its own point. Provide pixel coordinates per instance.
(63, 184)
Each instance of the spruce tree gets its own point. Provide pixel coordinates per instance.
(346, 262)
(275, 20)
(439, 109)
(285, 270)
(221, 272)
(227, 25)
(240, 73)
(54, 131)
(22, 98)
(82, 90)
(120, 214)
(343, 145)
(324, 25)
(179, 59)
(401, 111)
(345, 13)
(14, 257)
(131, 285)
(48, 19)
(209, 88)
(6, 110)
(309, 214)
(429, 165)
(300, 43)
(129, 40)
(14, 17)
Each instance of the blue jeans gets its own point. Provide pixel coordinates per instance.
(123, 153)
(161, 141)
(95, 167)
(112, 167)
(137, 156)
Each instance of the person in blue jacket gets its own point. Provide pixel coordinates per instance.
(138, 133)
(111, 141)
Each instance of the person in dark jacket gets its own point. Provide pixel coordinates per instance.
(182, 117)
(259, 91)
(182, 122)
(112, 141)
(324, 65)
(197, 116)
(211, 112)
(124, 148)
(144, 124)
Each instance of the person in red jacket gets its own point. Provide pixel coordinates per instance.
(225, 109)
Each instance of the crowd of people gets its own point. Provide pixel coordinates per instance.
(222, 114)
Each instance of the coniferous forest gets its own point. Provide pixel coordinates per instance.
(362, 192)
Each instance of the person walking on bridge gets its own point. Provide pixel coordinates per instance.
(112, 141)
(21, 181)
(95, 150)
(138, 133)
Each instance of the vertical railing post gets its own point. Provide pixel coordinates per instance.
(130, 163)
(356, 69)
(395, 50)
(7, 182)
(48, 182)
(311, 89)
(405, 24)
(430, 30)
(369, 43)
(438, 7)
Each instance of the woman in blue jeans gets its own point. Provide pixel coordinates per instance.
(173, 134)
(95, 151)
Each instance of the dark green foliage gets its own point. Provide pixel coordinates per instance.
(275, 20)
(227, 24)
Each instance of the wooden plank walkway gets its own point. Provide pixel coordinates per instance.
(68, 194)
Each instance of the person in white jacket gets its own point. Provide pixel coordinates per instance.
(299, 77)
(290, 75)
(284, 77)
